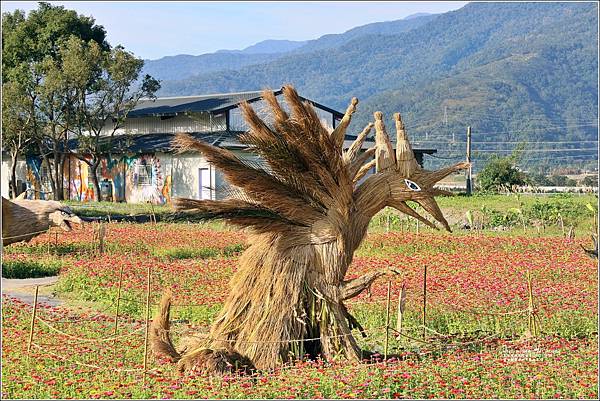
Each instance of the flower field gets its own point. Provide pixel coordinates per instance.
(476, 341)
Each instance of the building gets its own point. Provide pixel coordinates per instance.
(143, 168)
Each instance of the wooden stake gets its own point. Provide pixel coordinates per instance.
(55, 241)
(118, 301)
(469, 182)
(533, 327)
(153, 216)
(424, 300)
(401, 303)
(33, 315)
(562, 224)
(147, 322)
(417, 227)
(387, 321)
(48, 243)
(101, 234)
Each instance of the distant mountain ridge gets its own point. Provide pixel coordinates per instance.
(503, 68)
(269, 46)
(184, 66)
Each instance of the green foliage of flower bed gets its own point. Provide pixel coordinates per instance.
(30, 268)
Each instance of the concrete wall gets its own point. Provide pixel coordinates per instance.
(5, 175)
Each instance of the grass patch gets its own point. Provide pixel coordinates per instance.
(186, 253)
(30, 268)
(198, 253)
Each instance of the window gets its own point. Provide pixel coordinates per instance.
(143, 172)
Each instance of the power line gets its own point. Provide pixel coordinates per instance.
(538, 129)
(537, 150)
(508, 142)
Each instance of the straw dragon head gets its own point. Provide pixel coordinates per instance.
(406, 179)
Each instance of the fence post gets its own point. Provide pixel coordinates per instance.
(147, 320)
(101, 234)
(400, 317)
(424, 299)
(387, 322)
(532, 316)
(33, 315)
(118, 301)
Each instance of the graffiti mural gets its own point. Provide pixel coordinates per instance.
(37, 184)
(145, 182)
(79, 185)
(135, 179)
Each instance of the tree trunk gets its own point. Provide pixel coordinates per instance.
(46, 159)
(13, 174)
(95, 181)
(58, 175)
(65, 191)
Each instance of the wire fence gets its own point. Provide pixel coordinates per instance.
(435, 341)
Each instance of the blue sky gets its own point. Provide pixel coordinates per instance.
(156, 29)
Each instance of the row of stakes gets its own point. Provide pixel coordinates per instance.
(533, 318)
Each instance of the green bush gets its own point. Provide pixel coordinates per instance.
(30, 268)
(232, 250)
(499, 172)
(495, 218)
(186, 253)
(590, 181)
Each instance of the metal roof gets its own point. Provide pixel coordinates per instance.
(148, 143)
(217, 103)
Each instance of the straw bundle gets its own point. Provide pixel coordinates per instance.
(306, 213)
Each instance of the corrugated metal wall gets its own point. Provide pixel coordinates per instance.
(204, 122)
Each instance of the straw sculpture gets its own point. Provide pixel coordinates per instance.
(24, 219)
(307, 212)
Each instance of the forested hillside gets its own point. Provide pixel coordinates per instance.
(183, 66)
(514, 72)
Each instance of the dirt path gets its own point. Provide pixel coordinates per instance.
(24, 289)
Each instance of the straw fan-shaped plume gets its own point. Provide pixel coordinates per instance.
(307, 211)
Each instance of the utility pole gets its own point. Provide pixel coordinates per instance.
(469, 171)
(446, 115)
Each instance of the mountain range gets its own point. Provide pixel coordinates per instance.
(515, 72)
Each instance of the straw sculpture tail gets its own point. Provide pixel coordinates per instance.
(24, 219)
(306, 211)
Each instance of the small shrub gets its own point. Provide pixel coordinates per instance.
(231, 250)
(186, 253)
(207, 253)
(30, 268)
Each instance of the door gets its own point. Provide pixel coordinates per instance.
(205, 187)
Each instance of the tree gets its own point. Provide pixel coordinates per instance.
(16, 133)
(562, 181)
(73, 83)
(590, 181)
(500, 172)
(307, 213)
(538, 180)
(31, 58)
(102, 89)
